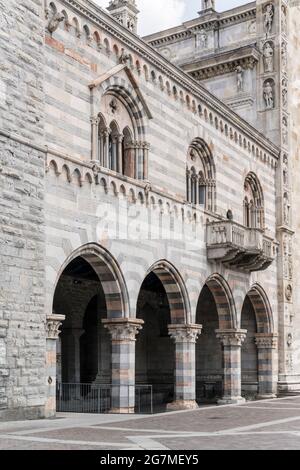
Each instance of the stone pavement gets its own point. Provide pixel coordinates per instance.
(268, 424)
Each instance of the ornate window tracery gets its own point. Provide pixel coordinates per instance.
(200, 175)
(253, 203)
(119, 148)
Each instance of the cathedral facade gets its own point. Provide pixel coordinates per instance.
(149, 196)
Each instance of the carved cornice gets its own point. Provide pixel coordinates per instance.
(184, 31)
(231, 337)
(104, 20)
(223, 62)
(123, 329)
(185, 333)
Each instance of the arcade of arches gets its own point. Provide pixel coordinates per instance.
(186, 364)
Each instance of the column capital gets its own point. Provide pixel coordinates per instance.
(231, 337)
(185, 333)
(266, 340)
(95, 121)
(123, 329)
(53, 323)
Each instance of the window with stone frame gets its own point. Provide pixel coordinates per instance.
(200, 176)
(253, 203)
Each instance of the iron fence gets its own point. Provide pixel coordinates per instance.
(94, 398)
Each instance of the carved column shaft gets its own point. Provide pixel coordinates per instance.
(123, 336)
(231, 341)
(267, 364)
(185, 337)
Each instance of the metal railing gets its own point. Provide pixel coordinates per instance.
(97, 398)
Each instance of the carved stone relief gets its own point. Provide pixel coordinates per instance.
(269, 94)
(268, 55)
(269, 12)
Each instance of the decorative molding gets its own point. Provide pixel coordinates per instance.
(53, 324)
(123, 329)
(231, 337)
(184, 333)
(266, 340)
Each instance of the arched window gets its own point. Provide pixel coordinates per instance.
(201, 182)
(121, 144)
(253, 203)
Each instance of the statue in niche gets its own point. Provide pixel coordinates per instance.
(268, 54)
(240, 78)
(269, 95)
(284, 93)
(269, 18)
(284, 131)
(285, 170)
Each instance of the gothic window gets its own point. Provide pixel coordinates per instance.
(253, 203)
(200, 176)
(119, 146)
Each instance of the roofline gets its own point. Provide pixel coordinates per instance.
(104, 20)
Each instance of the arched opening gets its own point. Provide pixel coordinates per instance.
(216, 313)
(201, 175)
(249, 356)
(209, 366)
(84, 344)
(155, 350)
(253, 203)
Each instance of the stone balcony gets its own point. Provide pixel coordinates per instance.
(239, 247)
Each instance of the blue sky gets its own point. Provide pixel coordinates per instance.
(161, 14)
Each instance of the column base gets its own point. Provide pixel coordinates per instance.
(182, 405)
(231, 401)
(266, 396)
(122, 411)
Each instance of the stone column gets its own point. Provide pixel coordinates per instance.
(95, 136)
(146, 160)
(52, 332)
(76, 333)
(267, 364)
(106, 148)
(123, 333)
(185, 337)
(120, 154)
(231, 341)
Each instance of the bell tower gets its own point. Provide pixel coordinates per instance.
(126, 12)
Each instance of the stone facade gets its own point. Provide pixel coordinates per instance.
(141, 216)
